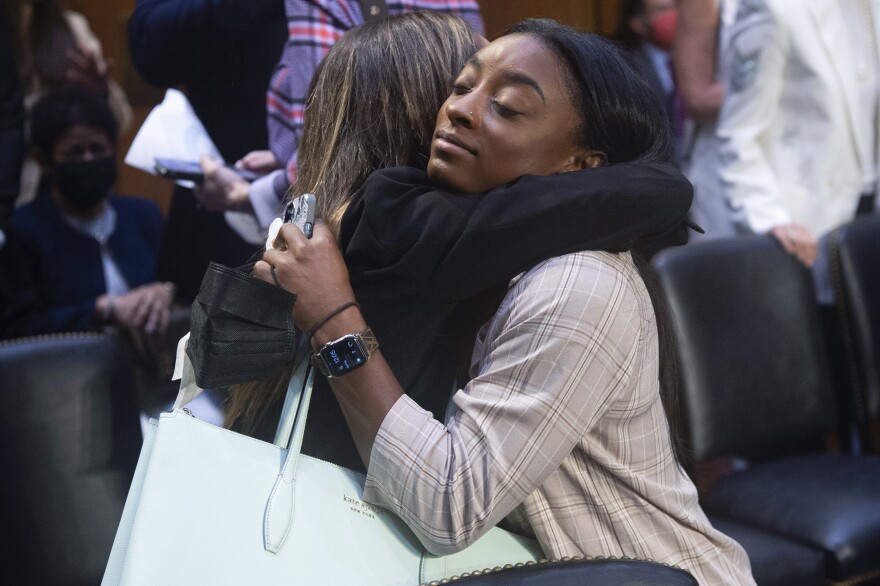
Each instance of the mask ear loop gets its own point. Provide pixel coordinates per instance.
(274, 276)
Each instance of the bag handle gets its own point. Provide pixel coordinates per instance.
(278, 517)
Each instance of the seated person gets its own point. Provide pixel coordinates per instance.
(83, 257)
(566, 430)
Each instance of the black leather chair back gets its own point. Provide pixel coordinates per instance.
(69, 441)
(855, 262)
(752, 358)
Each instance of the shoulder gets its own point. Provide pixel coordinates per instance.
(406, 195)
(582, 283)
(399, 179)
(139, 209)
(33, 217)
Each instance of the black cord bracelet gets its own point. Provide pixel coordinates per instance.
(330, 315)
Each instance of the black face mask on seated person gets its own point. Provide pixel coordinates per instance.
(84, 183)
(241, 328)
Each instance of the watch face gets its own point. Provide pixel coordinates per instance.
(343, 356)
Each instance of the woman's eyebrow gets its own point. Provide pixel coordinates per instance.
(511, 77)
(523, 79)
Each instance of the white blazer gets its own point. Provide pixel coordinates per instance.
(787, 130)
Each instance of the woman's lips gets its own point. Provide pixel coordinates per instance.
(450, 143)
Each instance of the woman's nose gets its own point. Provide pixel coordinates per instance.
(463, 111)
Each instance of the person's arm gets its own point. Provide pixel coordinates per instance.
(759, 46)
(696, 40)
(559, 358)
(87, 67)
(457, 245)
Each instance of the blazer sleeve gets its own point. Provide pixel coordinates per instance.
(454, 246)
(756, 64)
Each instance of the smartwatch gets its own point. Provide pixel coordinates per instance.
(341, 356)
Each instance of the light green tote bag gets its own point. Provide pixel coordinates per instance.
(211, 506)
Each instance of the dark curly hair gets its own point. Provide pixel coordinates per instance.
(61, 109)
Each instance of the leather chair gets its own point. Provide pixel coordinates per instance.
(854, 256)
(756, 385)
(581, 572)
(776, 561)
(70, 439)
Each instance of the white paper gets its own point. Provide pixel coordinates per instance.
(173, 131)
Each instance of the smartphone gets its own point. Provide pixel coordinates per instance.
(301, 211)
(192, 170)
(177, 169)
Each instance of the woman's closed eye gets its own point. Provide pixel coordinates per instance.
(460, 89)
(504, 111)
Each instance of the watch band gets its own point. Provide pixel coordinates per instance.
(370, 341)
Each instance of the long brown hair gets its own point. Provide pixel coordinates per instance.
(372, 104)
(374, 101)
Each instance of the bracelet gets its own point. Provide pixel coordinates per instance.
(330, 315)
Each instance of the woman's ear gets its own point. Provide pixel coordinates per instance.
(586, 159)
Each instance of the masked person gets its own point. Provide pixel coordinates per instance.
(83, 257)
(647, 29)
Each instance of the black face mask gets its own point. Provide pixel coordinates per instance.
(241, 330)
(84, 183)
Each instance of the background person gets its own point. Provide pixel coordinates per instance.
(701, 45)
(55, 47)
(83, 257)
(314, 26)
(798, 130)
(222, 54)
(647, 29)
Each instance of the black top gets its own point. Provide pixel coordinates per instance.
(429, 267)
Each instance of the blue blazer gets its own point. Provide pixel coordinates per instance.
(57, 272)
